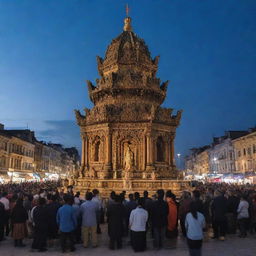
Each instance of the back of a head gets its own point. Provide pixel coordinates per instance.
(54, 198)
(186, 195)
(41, 201)
(112, 195)
(160, 194)
(19, 203)
(145, 193)
(4, 194)
(196, 194)
(244, 197)
(95, 192)
(170, 194)
(136, 195)
(67, 199)
(30, 197)
(122, 195)
(89, 196)
(118, 199)
(131, 197)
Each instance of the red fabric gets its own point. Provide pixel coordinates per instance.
(172, 216)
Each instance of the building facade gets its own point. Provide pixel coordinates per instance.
(202, 163)
(245, 152)
(4, 156)
(197, 163)
(233, 153)
(22, 158)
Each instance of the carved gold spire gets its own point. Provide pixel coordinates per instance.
(127, 20)
(127, 24)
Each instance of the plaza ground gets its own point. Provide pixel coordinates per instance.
(233, 246)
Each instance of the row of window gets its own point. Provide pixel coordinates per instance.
(246, 166)
(3, 145)
(19, 149)
(223, 167)
(15, 148)
(224, 154)
(247, 151)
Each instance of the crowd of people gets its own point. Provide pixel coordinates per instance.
(44, 213)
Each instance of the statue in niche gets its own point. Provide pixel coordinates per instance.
(128, 158)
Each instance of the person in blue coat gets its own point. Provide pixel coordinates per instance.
(67, 222)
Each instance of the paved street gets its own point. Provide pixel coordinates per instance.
(233, 246)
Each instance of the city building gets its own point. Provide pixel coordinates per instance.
(231, 158)
(24, 158)
(197, 163)
(245, 152)
(4, 156)
(222, 154)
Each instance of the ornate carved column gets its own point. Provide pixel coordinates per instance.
(172, 151)
(144, 153)
(86, 152)
(152, 150)
(148, 149)
(108, 160)
(150, 153)
(83, 152)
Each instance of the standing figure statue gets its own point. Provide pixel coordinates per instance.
(128, 159)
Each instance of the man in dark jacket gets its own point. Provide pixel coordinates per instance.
(41, 220)
(52, 209)
(232, 205)
(115, 214)
(198, 202)
(219, 219)
(159, 213)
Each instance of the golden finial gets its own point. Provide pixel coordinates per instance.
(127, 20)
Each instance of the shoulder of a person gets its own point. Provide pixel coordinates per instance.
(133, 211)
(200, 215)
(188, 215)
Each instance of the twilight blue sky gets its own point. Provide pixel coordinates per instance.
(207, 49)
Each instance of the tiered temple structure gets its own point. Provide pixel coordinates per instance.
(127, 137)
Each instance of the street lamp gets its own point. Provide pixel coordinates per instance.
(179, 155)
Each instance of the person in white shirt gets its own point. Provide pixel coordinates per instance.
(5, 201)
(194, 223)
(137, 222)
(242, 216)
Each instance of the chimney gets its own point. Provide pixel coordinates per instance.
(1, 126)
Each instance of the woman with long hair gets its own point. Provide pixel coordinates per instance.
(19, 217)
(194, 223)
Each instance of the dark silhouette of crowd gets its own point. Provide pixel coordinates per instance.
(44, 213)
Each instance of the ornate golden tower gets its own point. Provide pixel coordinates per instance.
(127, 137)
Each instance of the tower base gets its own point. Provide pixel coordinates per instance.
(105, 186)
